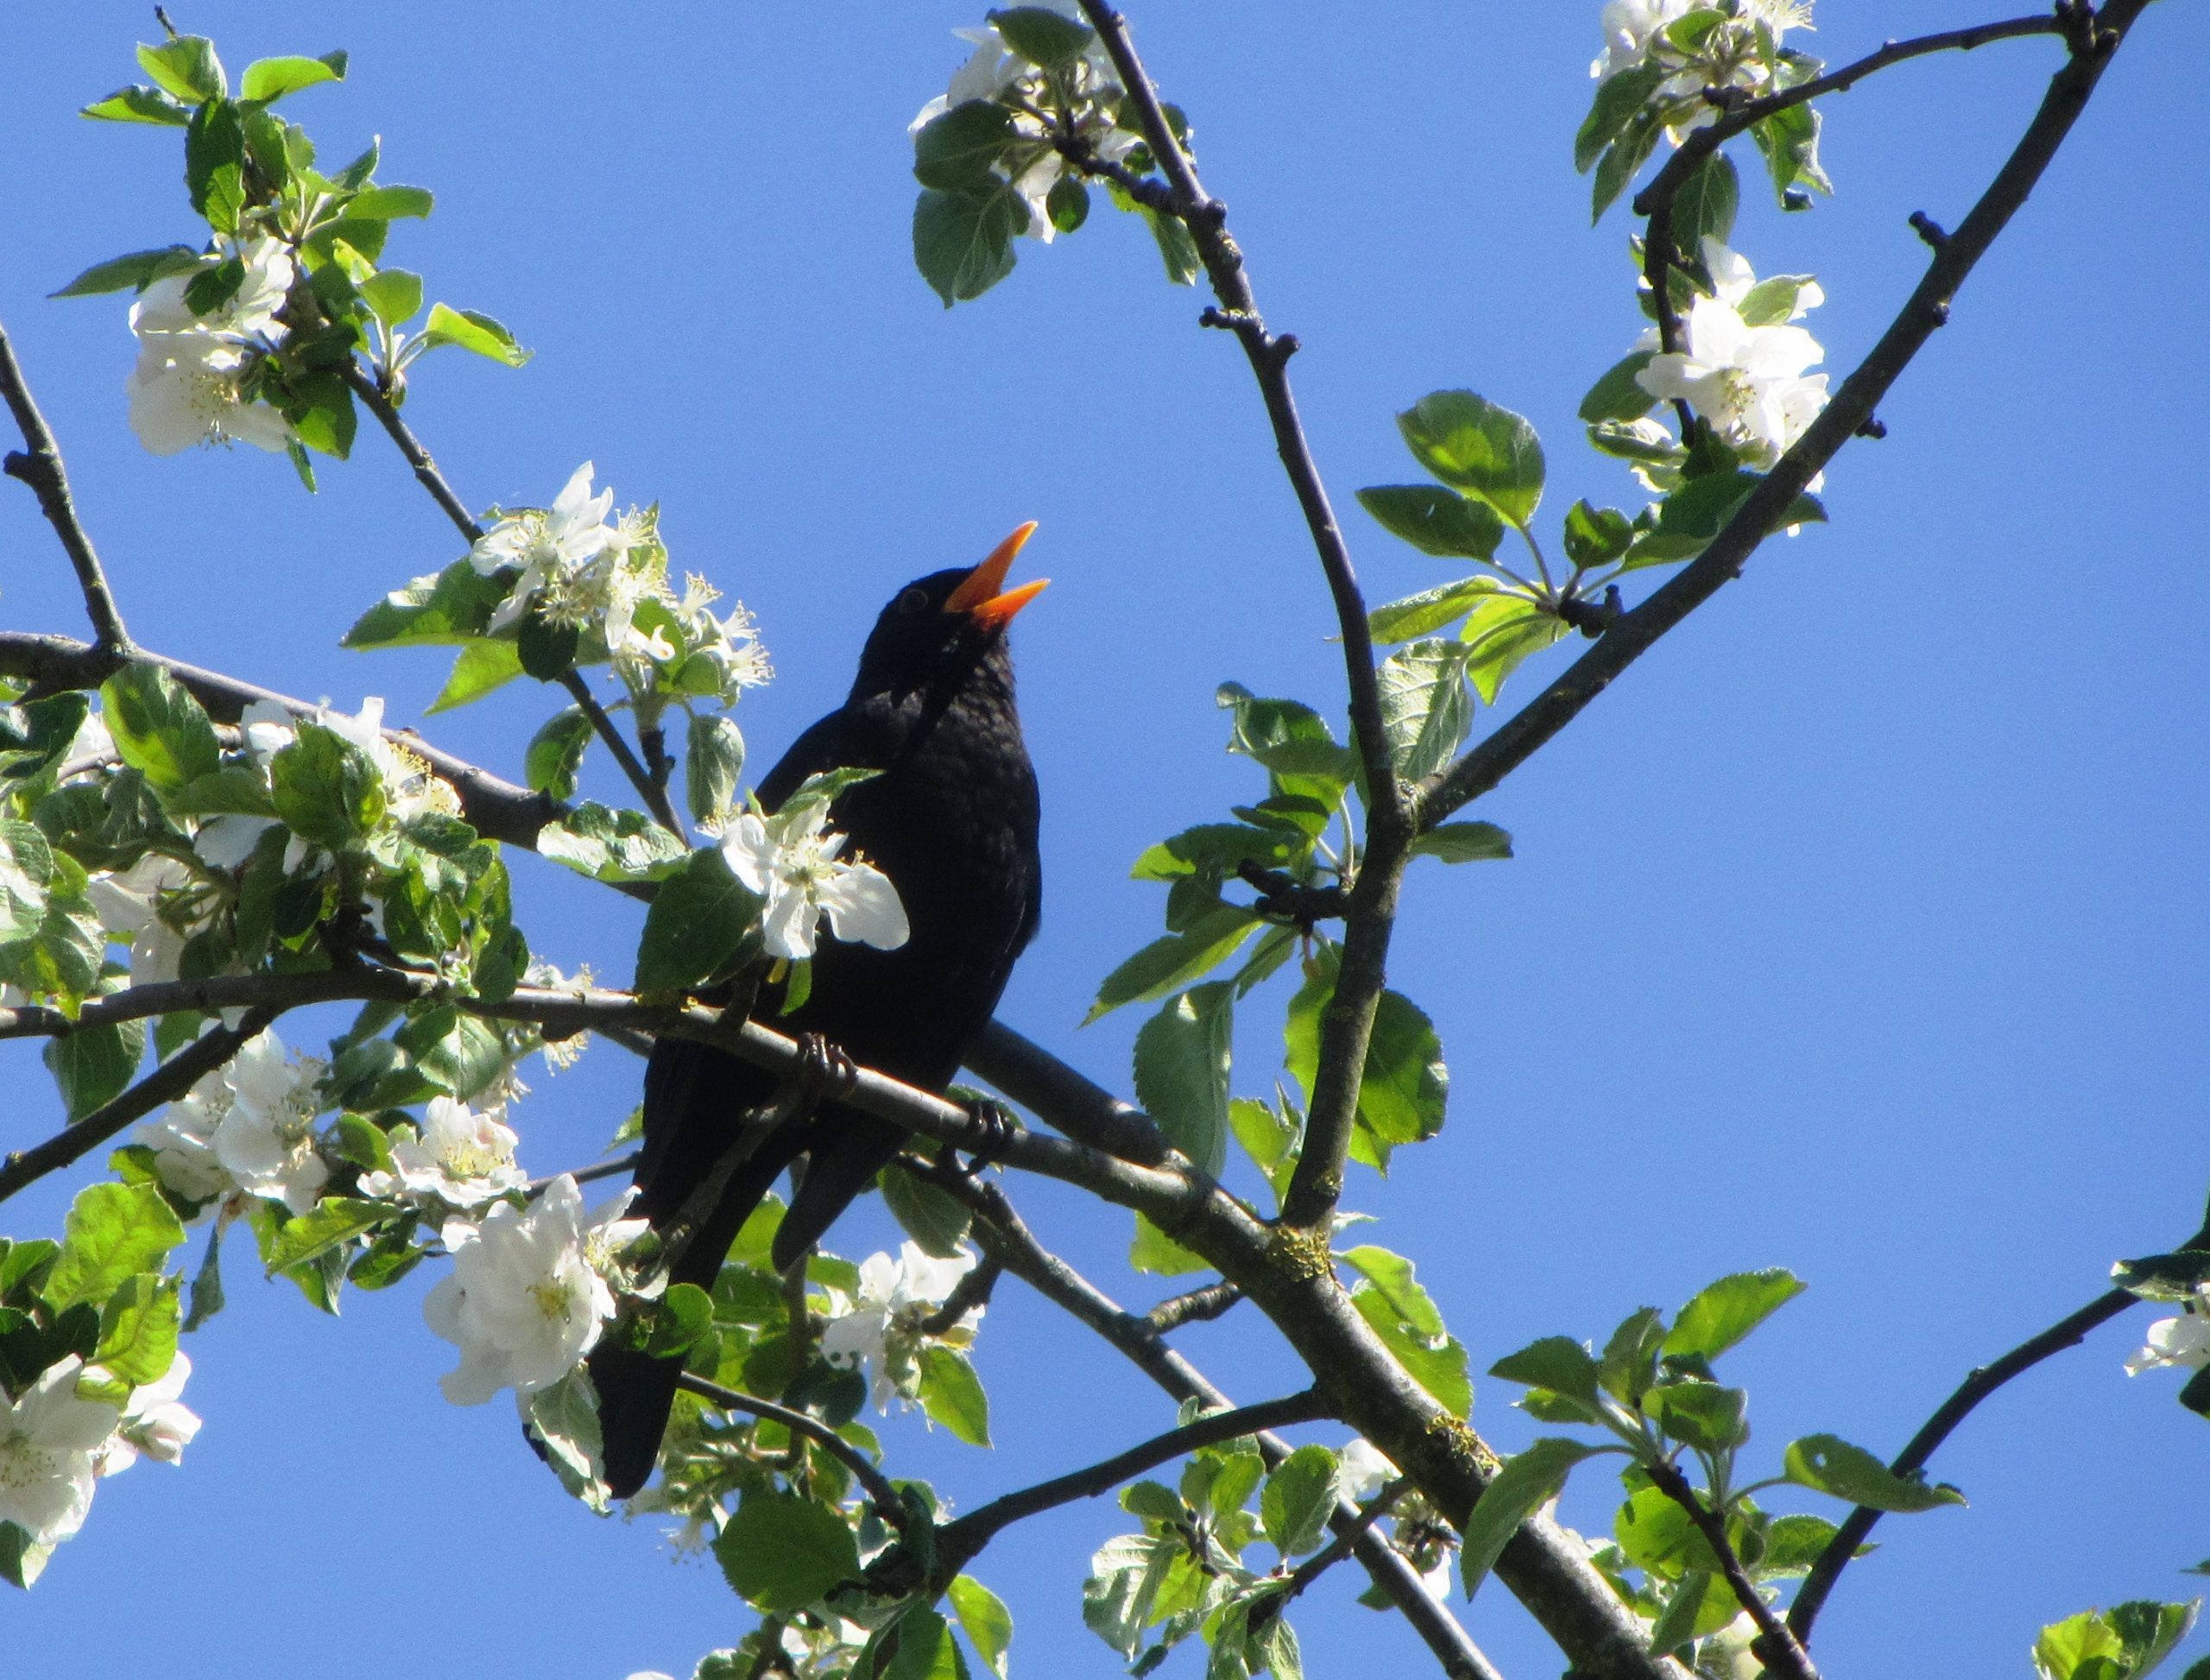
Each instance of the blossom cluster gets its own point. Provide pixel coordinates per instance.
(1744, 374)
(2179, 1343)
(56, 1441)
(1693, 46)
(575, 566)
(1077, 102)
(194, 379)
(246, 1131)
(794, 865)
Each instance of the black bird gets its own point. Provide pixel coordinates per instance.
(951, 819)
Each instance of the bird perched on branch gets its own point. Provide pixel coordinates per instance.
(951, 819)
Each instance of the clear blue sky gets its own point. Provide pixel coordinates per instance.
(1858, 930)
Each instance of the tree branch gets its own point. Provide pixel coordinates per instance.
(880, 1492)
(495, 809)
(957, 1542)
(1206, 218)
(1775, 1647)
(2066, 1332)
(1086, 1112)
(1009, 1239)
(1633, 633)
(42, 469)
(1199, 1304)
(653, 794)
(164, 1084)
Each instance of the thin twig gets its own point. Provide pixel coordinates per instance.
(652, 792)
(970, 1293)
(166, 1084)
(1633, 633)
(959, 1542)
(879, 1490)
(42, 469)
(613, 1168)
(2067, 1332)
(1775, 1647)
(1198, 1304)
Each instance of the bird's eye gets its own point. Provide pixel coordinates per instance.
(913, 601)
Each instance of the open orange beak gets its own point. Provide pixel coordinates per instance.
(983, 596)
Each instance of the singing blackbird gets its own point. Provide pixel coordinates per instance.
(951, 819)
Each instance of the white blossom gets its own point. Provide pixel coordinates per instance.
(2181, 1343)
(1628, 27)
(156, 1423)
(187, 387)
(1748, 382)
(1366, 1470)
(881, 1329)
(1732, 53)
(266, 1140)
(461, 1157)
(411, 788)
(183, 1141)
(47, 1437)
(144, 904)
(523, 1301)
(792, 863)
(545, 544)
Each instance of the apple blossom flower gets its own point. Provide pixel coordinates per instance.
(789, 861)
(1737, 52)
(1628, 27)
(1365, 1470)
(544, 543)
(881, 1329)
(189, 385)
(2181, 1343)
(266, 1139)
(156, 1423)
(47, 1437)
(460, 1158)
(1748, 382)
(183, 1142)
(523, 1301)
(145, 904)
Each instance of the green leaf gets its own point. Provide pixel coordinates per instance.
(481, 667)
(563, 1418)
(1828, 1464)
(713, 763)
(1182, 1070)
(962, 242)
(1177, 250)
(556, 752)
(1157, 1254)
(1390, 1300)
(458, 1054)
(159, 730)
(271, 79)
(1773, 302)
(1619, 99)
(938, 1221)
(1596, 536)
(1790, 141)
(1464, 843)
(952, 1395)
(1554, 1362)
(1702, 1415)
(22, 1559)
(1703, 1604)
(1168, 964)
(697, 919)
(1793, 1543)
(1406, 1086)
(2121, 1643)
(139, 105)
(1300, 1496)
(394, 294)
(1630, 1358)
(1500, 633)
(954, 151)
(1659, 1537)
(1527, 1481)
(1618, 395)
(1212, 848)
(333, 1221)
(1729, 1310)
(1042, 36)
(452, 606)
(185, 66)
(1704, 207)
(387, 204)
(611, 845)
(1430, 611)
(471, 329)
(984, 1620)
(326, 789)
(925, 1649)
(1425, 710)
(26, 872)
(1287, 737)
(136, 271)
(782, 1553)
(214, 164)
(1622, 158)
(1435, 521)
(113, 1231)
(95, 1064)
(138, 1328)
(1473, 446)
(1068, 202)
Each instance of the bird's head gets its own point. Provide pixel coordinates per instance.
(947, 623)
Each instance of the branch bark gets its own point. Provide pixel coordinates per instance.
(41, 468)
(879, 1489)
(1776, 1647)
